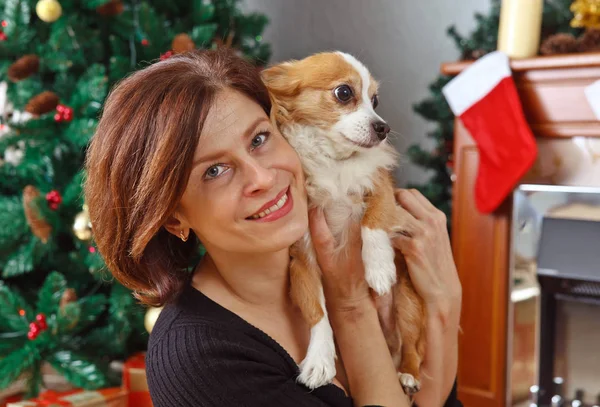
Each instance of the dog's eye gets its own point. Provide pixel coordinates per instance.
(343, 93)
(375, 101)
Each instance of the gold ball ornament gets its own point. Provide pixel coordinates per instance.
(48, 10)
(82, 227)
(586, 13)
(150, 318)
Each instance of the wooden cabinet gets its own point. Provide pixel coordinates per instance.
(552, 93)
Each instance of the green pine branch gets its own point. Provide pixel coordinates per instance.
(78, 370)
(16, 363)
(82, 55)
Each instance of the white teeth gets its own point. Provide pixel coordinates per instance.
(272, 209)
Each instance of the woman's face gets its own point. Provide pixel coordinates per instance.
(246, 190)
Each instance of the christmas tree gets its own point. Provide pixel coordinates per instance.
(556, 18)
(58, 59)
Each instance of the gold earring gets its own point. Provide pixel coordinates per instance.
(183, 237)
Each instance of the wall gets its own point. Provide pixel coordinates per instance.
(402, 42)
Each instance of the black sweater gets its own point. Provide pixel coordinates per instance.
(201, 354)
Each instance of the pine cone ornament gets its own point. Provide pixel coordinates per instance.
(24, 67)
(68, 296)
(226, 42)
(473, 55)
(589, 41)
(182, 43)
(111, 9)
(39, 227)
(560, 43)
(43, 103)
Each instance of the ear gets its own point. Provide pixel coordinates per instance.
(281, 80)
(176, 225)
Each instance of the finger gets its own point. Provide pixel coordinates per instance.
(424, 201)
(402, 231)
(355, 233)
(410, 202)
(319, 231)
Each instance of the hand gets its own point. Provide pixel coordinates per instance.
(425, 245)
(343, 271)
(365, 366)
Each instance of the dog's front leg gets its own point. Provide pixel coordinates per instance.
(378, 252)
(318, 367)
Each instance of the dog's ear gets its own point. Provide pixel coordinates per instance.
(282, 80)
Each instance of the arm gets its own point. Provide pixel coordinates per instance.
(368, 364)
(441, 359)
(371, 374)
(426, 247)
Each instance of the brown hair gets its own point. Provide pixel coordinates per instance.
(140, 158)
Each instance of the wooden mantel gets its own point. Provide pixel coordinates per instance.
(551, 90)
(552, 93)
(591, 60)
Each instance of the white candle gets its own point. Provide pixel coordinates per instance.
(520, 27)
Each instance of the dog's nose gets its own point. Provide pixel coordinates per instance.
(381, 129)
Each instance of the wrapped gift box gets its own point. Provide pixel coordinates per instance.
(134, 381)
(111, 397)
(12, 392)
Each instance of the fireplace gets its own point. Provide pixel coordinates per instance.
(555, 263)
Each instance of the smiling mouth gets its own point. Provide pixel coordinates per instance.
(280, 203)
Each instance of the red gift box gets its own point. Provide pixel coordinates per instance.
(134, 381)
(10, 399)
(111, 397)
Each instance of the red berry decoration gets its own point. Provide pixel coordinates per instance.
(92, 249)
(4, 23)
(33, 327)
(145, 42)
(41, 321)
(166, 55)
(63, 114)
(3, 36)
(54, 199)
(37, 327)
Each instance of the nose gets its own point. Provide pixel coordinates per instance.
(259, 178)
(381, 129)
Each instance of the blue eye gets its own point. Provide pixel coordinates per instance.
(259, 140)
(215, 171)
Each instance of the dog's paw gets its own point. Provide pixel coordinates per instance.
(410, 385)
(318, 367)
(378, 257)
(381, 280)
(317, 370)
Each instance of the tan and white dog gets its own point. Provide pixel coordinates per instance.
(324, 106)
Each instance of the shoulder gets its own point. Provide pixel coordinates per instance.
(194, 360)
(204, 333)
(184, 338)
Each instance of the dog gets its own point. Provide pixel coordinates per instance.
(324, 105)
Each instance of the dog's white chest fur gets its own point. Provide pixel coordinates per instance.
(335, 182)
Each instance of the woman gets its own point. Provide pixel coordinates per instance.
(185, 152)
